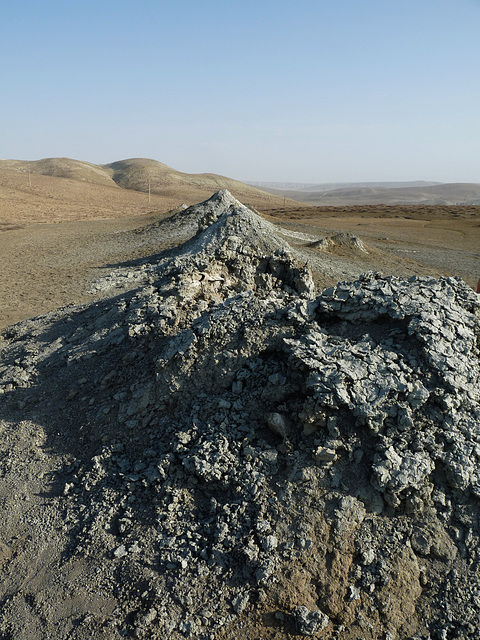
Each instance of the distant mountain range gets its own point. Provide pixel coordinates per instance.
(331, 186)
(393, 193)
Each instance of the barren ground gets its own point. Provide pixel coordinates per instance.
(48, 264)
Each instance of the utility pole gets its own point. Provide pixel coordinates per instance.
(29, 179)
(148, 190)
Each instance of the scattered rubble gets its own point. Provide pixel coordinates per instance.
(224, 440)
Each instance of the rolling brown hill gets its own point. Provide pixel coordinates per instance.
(61, 168)
(66, 189)
(140, 173)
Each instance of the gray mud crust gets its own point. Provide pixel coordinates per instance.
(225, 452)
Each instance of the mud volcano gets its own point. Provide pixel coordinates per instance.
(223, 452)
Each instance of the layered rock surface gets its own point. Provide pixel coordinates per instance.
(225, 452)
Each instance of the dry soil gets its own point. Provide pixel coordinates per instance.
(46, 265)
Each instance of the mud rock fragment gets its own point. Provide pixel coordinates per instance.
(240, 602)
(310, 622)
(277, 423)
(323, 454)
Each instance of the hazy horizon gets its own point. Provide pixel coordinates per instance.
(314, 92)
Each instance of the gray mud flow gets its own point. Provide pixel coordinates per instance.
(225, 452)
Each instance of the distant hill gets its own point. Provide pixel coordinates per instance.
(28, 188)
(330, 186)
(141, 174)
(138, 174)
(434, 194)
(64, 188)
(61, 168)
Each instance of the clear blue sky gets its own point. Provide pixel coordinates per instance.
(306, 91)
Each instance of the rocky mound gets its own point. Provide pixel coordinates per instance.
(223, 452)
(347, 241)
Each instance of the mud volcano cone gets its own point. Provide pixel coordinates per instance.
(225, 452)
